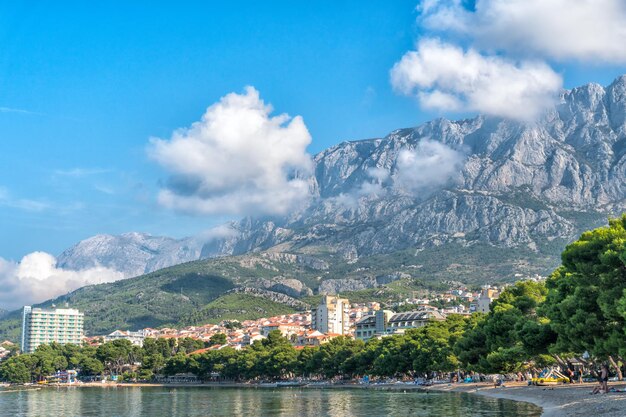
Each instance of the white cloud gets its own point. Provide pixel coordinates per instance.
(222, 231)
(371, 188)
(431, 165)
(81, 172)
(446, 77)
(583, 30)
(237, 160)
(36, 279)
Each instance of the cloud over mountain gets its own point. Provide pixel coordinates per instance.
(445, 77)
(36, 278)
(494, 56)
(428, 167)
(237, 160)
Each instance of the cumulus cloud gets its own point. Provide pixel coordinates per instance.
(583, 30)
(445, 77)
(430, 166)
(237, 160)
(36, 279)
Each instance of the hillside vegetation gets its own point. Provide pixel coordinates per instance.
(195, 292)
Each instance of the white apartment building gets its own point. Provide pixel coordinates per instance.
(43, 326)
(331, 316)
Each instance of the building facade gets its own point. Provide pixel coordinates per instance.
(42, 326)
(373, 325)
(136, 338)
(385, 322)
(487, 295)
(331, 316)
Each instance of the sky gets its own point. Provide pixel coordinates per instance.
(151, 116)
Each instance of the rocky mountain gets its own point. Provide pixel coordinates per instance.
(508, 184)
(476, 199)
(131, 253)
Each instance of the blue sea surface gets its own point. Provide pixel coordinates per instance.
(201, 401)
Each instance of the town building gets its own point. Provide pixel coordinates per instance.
(487, 295)
(400, 322)
(331, 316)
(136, 338)
(385, 322)
(373, 325)
(43, 326)
(314, 338)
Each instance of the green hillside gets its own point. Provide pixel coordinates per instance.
(194, 292)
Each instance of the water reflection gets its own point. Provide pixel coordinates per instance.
(222, 402)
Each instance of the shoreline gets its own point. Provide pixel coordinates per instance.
(560, 400)
(570, 400)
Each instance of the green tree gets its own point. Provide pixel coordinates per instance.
(114, 355)
(178, 363)
(218, 339)
(14, 370)
(586, 302)
(91, 366)
(515, 330)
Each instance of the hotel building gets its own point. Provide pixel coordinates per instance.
(331, 316)
(42, 326)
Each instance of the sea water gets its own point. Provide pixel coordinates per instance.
(287, 402)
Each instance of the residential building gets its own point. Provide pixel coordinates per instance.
(314, 338)
(136, 338)
(4, 352)
(285, 329)
(487, 295)
(373, 325)
(400, 322)
(331, 316)
(385, 322)
(42, 326)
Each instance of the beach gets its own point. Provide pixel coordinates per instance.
(560, 400)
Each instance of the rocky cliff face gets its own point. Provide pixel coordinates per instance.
(516, 184)
(481, 181)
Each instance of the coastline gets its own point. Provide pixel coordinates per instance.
(570, 400)
(561, 400)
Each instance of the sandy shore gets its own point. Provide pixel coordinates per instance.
(562, 400)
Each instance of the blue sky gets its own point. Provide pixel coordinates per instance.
(83, 87)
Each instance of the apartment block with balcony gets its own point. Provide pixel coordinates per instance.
(331, 316)
(43, 326)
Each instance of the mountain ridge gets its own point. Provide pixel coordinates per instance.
(518, 193)
(520, 184)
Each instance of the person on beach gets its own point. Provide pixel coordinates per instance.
(605, 377)
(597, 389)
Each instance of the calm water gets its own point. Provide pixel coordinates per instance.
(162, 402)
